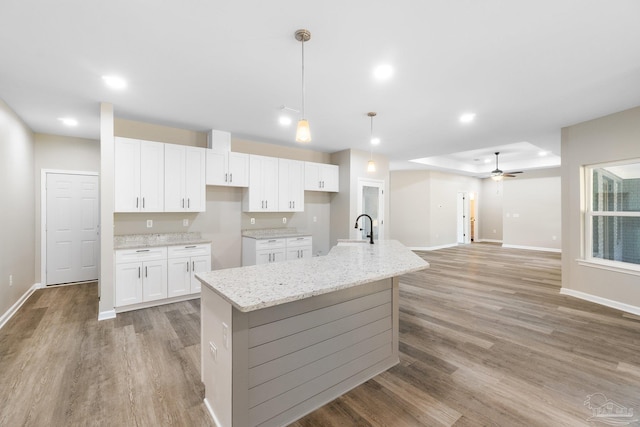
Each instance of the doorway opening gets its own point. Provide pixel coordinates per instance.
(371, 202)
(466, 217)
(70, 227)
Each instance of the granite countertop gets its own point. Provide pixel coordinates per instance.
(259, 286)
(273, 233)
(136, 241)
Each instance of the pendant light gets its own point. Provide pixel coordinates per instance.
(303, 133)
(371, 165)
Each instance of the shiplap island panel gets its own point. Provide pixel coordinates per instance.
(280, 340)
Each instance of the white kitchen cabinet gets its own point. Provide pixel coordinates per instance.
(321, 177)
(290, 185)
(138, 175)
(262, 194)
(299, 247)
(184, 179)
(141, 275)
(227, 168)
(184, 262)
(264, 251)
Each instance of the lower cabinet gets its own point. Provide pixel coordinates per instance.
(154, 274)
(141, 275)
(184, 263)
(264, 251)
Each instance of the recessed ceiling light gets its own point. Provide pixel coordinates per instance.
(114, 82)
(68, 121)
(383, 72)
(487, 160)
(375, 141)
(467, 117)
(542, 153)
(284, 120)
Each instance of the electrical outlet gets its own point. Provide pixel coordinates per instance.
(214, 351)
(553, 237)
(149, 223)
(225, 335)
(284, 220)
(315, 219)
(11, 280)
(185, 222)
(253, 221)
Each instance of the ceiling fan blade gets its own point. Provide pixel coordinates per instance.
(515, 172)
(508, 175)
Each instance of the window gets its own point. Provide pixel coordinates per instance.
(612, 220)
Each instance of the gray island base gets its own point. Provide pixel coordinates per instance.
(281, 340)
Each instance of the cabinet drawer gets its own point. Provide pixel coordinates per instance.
(294, 242)
(270, 243)
(143, 254)
(189, 250)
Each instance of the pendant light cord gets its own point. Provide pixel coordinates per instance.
(303, 85)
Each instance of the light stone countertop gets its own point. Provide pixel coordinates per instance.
(137, 241)
(259, 286)
(273, 233)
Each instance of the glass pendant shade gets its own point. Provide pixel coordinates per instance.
(303, 133)
(497, 178)
(371, 166)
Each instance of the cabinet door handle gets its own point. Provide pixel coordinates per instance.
(294, 204)
(145, 271)
(183, 203)
(137, 201)
(143, 203)
(319, 184)
(190, 247)
(266, 204)
(269, 257)
(143, 250)
(193, 266)
(230, 177)
(138, 272)
(188, 203)
(225, 177)
(262, 204)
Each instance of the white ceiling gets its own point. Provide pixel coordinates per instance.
(525, 68)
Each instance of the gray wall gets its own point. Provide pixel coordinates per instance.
(607, 139)
(344, 206)
(532, 211)
(64, 154)
(17, 214)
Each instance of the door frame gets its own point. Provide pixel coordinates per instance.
(381, 202)
(463, 218)
(43, 217)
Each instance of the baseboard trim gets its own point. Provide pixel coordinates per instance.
(487, 241)
(106, 315)
(602, 301)
(211, 413)
(156, 303)
(532, 248)
(15, 307)
(431, 248)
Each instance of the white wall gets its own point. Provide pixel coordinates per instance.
(59, 153)
(423, 206)
(607, 139)
(490, 224)
(17, 212)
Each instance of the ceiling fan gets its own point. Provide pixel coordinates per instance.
(497, 174)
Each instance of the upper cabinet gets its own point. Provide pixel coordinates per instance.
(321, 177)
(184, 178)
(139, 175)
(262, 194)
(290, 185)
(227, 168)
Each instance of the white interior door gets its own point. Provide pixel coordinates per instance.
(72, 228)
(463, 218)
(371, 202)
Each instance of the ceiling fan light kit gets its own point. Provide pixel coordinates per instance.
(371, 165)
(497, 174)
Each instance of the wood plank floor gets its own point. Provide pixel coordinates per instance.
(485, 339)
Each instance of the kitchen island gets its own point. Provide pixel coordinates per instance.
(280, 340)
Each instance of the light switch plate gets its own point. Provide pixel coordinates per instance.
(284, 220)
(149, 223)
(185, 222)
(253, 221)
